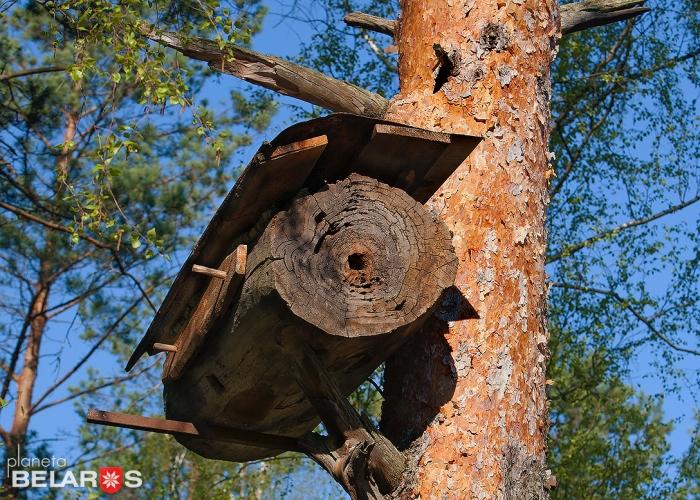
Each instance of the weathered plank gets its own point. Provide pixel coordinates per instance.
(215, 302)
(199, 431)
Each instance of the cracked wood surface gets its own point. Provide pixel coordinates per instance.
(277, 74)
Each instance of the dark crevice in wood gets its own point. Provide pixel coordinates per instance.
(356, 261)
(447, 66)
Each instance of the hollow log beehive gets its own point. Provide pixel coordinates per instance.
(342, 260)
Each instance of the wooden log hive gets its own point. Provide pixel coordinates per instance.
(349, 271)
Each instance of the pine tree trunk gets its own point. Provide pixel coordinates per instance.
(469, 403)
(26, 380)
(27, 377)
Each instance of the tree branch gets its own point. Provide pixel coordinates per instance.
(371, 23)
(31, 71)
(634, 312)
(109, 331)
(591, 13)
(611, 232)
(14, 358)
(276, 74)
(99, 244)
(51, 225)
(574, 16)
(90, 389)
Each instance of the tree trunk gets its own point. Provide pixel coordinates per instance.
(26, 380)
(468, 404)
(27, 377)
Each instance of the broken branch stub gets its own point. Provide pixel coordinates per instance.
(349, 271)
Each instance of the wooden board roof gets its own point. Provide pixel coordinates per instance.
(305, 155)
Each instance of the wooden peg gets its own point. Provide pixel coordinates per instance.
(241, 259)
(214, 273)
(157, 346)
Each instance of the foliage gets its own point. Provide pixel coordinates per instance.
(105, 178)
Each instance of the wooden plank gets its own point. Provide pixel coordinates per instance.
(179, 428)
(411, 132)
(214, 303)
(296, 147)
(397, 152)
(422, 188)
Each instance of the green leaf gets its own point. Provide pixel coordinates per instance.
(135, 241)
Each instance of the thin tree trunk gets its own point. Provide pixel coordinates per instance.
(27, 377)
(469, 404)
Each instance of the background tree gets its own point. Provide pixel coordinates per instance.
(102, 169)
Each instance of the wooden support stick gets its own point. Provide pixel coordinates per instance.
(164, 347)
(241, 256)
(361, 459)
(175, 427)
(214, 273)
